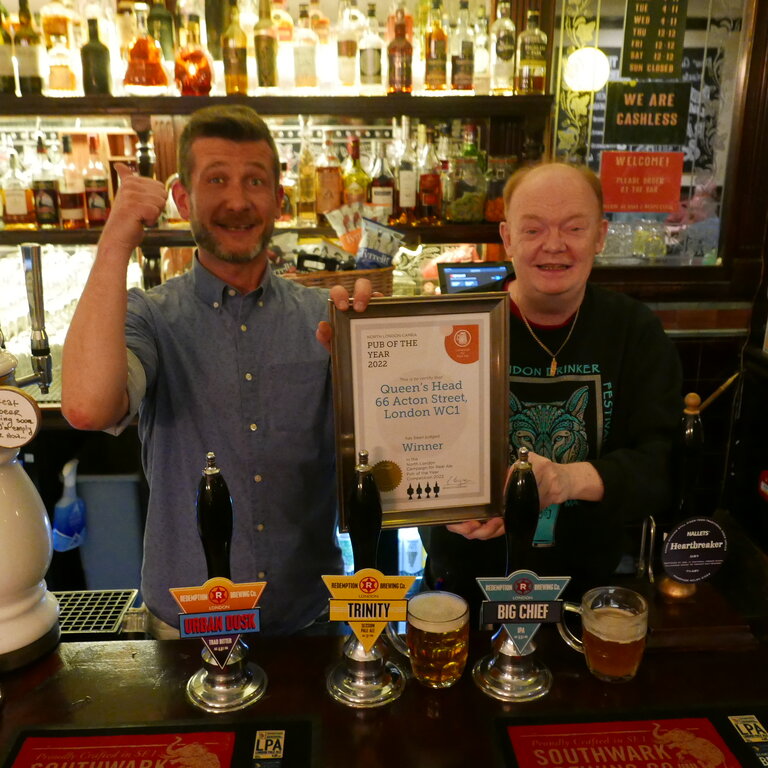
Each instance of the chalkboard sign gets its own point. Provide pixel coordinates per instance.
(653, 39)
(19, 417)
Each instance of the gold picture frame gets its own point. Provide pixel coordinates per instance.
(424, 380)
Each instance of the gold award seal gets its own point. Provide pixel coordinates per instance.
(387, 474)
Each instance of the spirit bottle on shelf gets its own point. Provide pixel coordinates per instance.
(18, 203)
(71, 190)
(29, 52)
(193, 70)
(371, 55)
(356, 180)
(265, 43)
(435, 50)
(482, 48)
(531, 73)
(330, 185)
(407, 179)
(127, 29)
(145, 74)
(346, 45)
(45, 189)
(7, 77)
(288, 181)
(97, 201)
(234, 52)
(463, 51)
(400, 57)
(503, 51)
(321, 24)
(161, 27)
(62, 80)
(282, 21)
(94, 56)
(216, 18)
(392, 18)
(58, 20)
(304, 51)
(430, 206)
(306, 195)
(382, 189)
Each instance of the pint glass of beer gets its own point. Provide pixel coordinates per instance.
(615, 622)
(437, 636)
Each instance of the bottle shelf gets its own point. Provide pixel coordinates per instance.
(422, 106)
(161, 238)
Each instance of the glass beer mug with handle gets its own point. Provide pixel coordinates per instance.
(614, 625)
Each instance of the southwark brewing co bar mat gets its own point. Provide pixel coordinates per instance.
(263, 744)
(738, 740)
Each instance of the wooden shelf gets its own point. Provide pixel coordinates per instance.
(508, 107)
(448, 233)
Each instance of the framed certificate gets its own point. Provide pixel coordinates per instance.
(421, 384)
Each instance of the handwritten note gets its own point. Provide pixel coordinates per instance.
(19, 418)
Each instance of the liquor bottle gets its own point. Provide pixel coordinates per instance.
(531, 73)
(435, 50)
(304, 51)
(216, 18)
(289, 182)
(392, 18)
(214, 519)
(306, 201)
(265, 42)
(521, 506)
(161, 27)
(320, 23)
(94, 56)
(430, 205)
(364, 514)
(234, 52)
(382, 189)
(469, 146)
(127, 29)
(356, 180)
(400, 57)
(193, 69)
(96, 182)
(62, 80)
(371, 55)
(45, 189)
(482, 44)
(58, 20)
(17, 198)
(503, 51)
(463, 51)
(330, 185)
(29, 52)
(346, 45)
(282, 21)
(407, 179)
(71, 190)
(7, 77)
(144, 74)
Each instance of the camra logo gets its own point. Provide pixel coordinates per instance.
(269, 745)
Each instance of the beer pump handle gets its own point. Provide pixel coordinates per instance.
(364, 515)
(214, 519)
(145, 157)
(521, 510)
(41, 351)
(691, 448)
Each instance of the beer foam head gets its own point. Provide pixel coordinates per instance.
(616, 625)
(437, 612)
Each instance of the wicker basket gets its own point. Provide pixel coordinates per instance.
(381, 279)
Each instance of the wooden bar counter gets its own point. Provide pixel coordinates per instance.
(126, 682)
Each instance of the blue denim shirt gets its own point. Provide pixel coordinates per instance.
(242, 376)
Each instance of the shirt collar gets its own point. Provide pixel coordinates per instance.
(210, 289)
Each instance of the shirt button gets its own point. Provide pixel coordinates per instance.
(261, 303)
(231, 291)
(260, 527)
(243, 328)
(262, 574)
(215, 304)
(257, 478)
(254, 427)
(248, 376)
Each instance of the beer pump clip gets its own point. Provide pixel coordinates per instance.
(221, 611)
(368, 600)
(29, 613)
(520, 602)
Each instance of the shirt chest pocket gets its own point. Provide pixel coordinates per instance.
(298, 396)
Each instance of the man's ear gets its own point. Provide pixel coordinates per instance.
(504, 232)
(181, 198)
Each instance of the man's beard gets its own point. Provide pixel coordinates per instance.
(207, 241)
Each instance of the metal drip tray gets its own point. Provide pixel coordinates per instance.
(94, 611)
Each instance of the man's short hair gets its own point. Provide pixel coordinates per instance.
(514, 181)
(234, 122)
